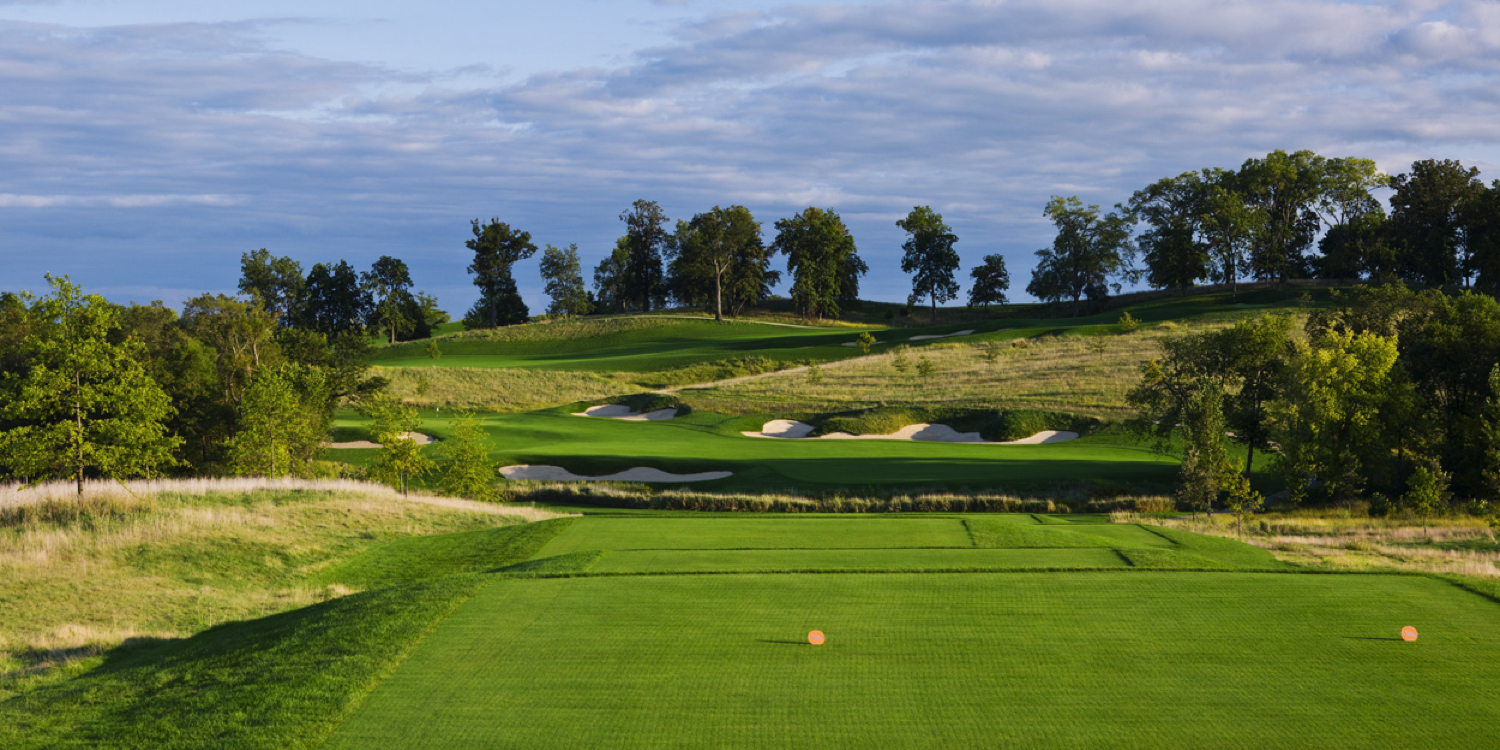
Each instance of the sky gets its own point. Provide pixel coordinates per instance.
(145, 145)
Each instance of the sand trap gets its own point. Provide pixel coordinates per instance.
(856, 343)
(620, 411)
(418, 437)
(638, 474)
(922, 432)
(931, 336)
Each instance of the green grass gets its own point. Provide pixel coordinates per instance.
(1127, 660)
(678, 533)
(1002, 533)
(842, 560)
(283, 681)
(420, 557)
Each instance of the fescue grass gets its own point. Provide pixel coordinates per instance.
(496, 389)
(169, 558)
(1133, 659)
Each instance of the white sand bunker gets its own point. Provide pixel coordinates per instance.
(931, 336)
(620, 411)
(922, 432)
(638, 474)
(417, 437)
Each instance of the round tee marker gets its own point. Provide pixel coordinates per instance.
(1408, 634)
(815, 638)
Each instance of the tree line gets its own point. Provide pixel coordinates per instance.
(1391, 396)
(1263, 221)
(718, 261)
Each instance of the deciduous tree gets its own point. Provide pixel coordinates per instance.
(465, 466)
(389, 283)
(1427, 222)
(392, 424)
(83, 406)
(1172, 209)
(564, 281)
(275, 284)
(497, 248)
(1090, 250)
(822, 259)
(930, 257)
(644, 280)
(991, 280)
(284, 419)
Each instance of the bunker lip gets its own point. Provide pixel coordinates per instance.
(621, 411)
(924, 337)
(416, 437)
(923, 432)
(636, 474)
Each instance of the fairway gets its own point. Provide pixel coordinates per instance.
(1139, 659)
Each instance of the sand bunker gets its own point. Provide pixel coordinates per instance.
(418, 437)
(924, 337)
(620, 411)
(923, 432)
(931, 336)
(638, 474)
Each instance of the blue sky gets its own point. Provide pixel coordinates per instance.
(145, 145)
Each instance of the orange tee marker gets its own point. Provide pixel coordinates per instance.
(815, 638)
(1408, 634)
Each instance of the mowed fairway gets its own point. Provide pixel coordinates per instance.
(1078, 658)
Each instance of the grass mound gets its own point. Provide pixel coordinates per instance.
(420, 557)
(283, 681)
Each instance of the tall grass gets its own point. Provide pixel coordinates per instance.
(497, 389)
(1088, 375)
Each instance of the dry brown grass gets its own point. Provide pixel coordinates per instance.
(1084, 375)
(1346, 541)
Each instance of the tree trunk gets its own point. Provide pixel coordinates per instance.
(933, 297)
(78, 425)
(1249, 461)
(718, 294)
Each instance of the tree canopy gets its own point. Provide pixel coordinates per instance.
(991, 280)
(930, 257)
(1089, 252)
(497, 248)
(822, 259)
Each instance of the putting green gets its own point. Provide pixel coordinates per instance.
(981, 660)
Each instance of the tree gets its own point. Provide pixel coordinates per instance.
(1241, 500)
(991, 280)
(1229, 226)
(84, 406)
(1427, 224)
(718, 260)
(392, 425)
(1287, 189)
(1088, 252)
(333, 301)
(1205, 458)
(275, 284)
(564, 279)
(645, 237)
(284, 419)
(1172, 209)
(609, 280)
(822, 259)
(241, 335)
(930, 257)
(1328, 422)
(388, 282)
(464, 464)
(1426, 493)
(497, 248)
(1481, 217)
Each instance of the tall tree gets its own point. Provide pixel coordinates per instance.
(609, 280)
(822, 259)
(497, 248)
(389, 284)
(1427, 221)
(1229, 226)
(645, 238)
(1287, 188)
(564, 281)
(1482, 229)
(718, 260)
(930, 257)
(85, 406)
(275, 284)
(334, 302)
(1172, 209)
(991, 280)
(241, 335)
(1088, 252)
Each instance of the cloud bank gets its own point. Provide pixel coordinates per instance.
(150, 157)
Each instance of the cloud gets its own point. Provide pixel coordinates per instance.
(196, 142)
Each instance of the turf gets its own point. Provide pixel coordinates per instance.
(1001, 532)
(419, 557)
(1127, 660)
(756, 533)
(837, 560)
